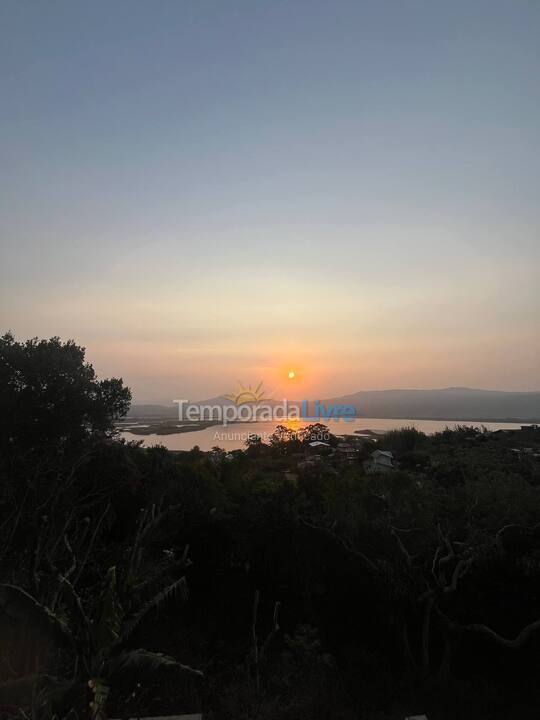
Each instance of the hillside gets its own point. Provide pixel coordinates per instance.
(447, 404)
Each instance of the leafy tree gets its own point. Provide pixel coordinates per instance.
(50, 397)
(317, 431)
(405, 440)
(284, 440)
(254, 445)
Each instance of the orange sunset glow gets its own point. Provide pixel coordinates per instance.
(270, 359)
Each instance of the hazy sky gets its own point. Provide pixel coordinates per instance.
(201, 192)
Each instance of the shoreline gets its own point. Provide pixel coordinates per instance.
(165, 426)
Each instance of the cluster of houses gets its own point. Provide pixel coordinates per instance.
(319, 453)
(346, 452)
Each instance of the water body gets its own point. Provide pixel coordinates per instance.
(233, 437)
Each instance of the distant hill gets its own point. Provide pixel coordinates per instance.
(153, 411)
(171, 411)
(456, 403)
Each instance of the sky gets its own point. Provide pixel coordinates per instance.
(205, 192)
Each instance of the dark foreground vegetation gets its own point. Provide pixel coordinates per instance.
(266, 583)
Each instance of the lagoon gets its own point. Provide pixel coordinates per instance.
(233, 436)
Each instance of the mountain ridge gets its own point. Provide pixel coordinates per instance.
(453, 403)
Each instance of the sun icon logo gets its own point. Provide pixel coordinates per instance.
(247, 394)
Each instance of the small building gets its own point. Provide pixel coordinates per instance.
(318, 447)
(345, 451)
(379, 461)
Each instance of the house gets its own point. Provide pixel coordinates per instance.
(317, 447)
(379, 461)
(345, 451)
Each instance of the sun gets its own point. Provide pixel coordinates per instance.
(291, 374)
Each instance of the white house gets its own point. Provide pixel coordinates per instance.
(380, 461)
